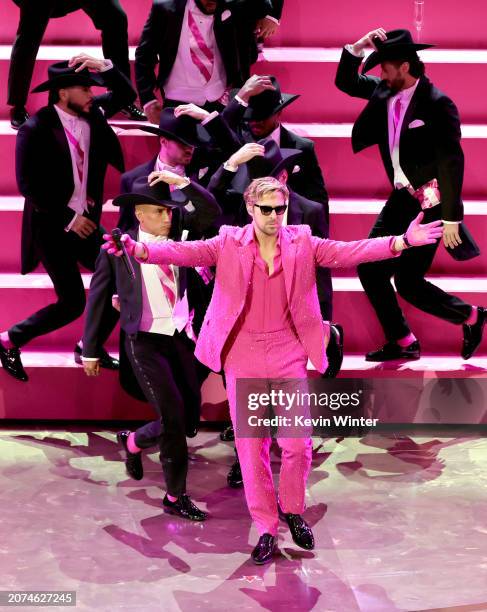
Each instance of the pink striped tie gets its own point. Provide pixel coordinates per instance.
(168, 283)
(201, 55)
(396, 114)
(80, 155)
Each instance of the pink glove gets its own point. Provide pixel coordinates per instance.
(130, 245)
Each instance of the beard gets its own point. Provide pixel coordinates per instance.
(78, 109)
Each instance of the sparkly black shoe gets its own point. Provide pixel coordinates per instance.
(184, 508)
(133, 461)
(391, 351)
(300, 530)
(265, 549)
(472, 334)
(12, 364)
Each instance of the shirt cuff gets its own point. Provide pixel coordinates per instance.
(209, 117)
(71, 223)
(89, 358)
(108, 65)
(229, 167)
(349, 48)
(450, 222)
(149, 104)
(240, 101)
(273, 19)
(187, 181)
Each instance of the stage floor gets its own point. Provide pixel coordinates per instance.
(400, 524)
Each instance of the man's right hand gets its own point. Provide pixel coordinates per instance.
(367, 41)
(133, 248)
(254, 86)
(246, 153)
(153, 112)
(91, 368)
(83, 227)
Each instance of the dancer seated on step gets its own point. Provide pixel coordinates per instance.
(264, 322)
(156, 319)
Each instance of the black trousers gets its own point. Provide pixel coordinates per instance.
(165, 367)
(208, 106)
(107, 16)
(408, 271)
(60, 253)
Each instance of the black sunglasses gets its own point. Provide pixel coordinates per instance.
(267, 210)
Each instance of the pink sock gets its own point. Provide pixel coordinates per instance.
(171, 498)
(131, 446)
(5, 340)
(472, 319)
(407, 340)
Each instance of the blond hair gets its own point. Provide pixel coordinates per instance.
(260, 187)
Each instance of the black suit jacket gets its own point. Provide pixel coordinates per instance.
(44, 168)
(160, 39)
(432, 150)
(308, 181)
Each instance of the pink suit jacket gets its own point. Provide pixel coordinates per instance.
(232, 254)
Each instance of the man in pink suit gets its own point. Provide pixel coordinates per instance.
(264, 322)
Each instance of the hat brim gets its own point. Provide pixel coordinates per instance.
(70, 80)
(391, 53)
(132, 199)
(259, 114)
(257, 168)
(154, 129)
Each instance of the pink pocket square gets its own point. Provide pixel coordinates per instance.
(415, 124)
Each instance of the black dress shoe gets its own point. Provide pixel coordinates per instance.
(391, 351)
(234, 476)
(334, 351)
(106, 361)
(227, 435)
(472, 334)
(300, 530)
(264, 550)
(133, 112)
(18, 116)
(133, 461)
(184, 508)
(12, 363)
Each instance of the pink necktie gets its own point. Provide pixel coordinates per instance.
(168, 284)
(201, 55)
(396, 114)
(80, 155)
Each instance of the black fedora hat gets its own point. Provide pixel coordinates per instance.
(158, 195)
(273, 161)
(268, 103)
(184, 129)
(398, 45)
(61, 75)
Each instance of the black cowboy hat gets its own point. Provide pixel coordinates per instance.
(60, 75)
(273, 162)
(158, 195)
(184, 129)
(398, 45)
(268, 103)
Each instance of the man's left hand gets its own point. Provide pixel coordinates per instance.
(451, 235)
(266, 27)
(166, 176)
(83, 60)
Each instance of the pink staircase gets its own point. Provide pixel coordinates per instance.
(304, 57)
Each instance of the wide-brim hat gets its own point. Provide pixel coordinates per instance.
(398, 45)
(184, 129)
(158, 195)
(60, 75)
(268, 103)
(273, 162)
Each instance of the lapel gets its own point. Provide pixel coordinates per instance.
(371, 125)
(137, 286)
(287, 140)
(59, 133)
(246, 254)
(421, 90)
(288, 259)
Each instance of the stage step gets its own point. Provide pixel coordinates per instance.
(58, 389)
(22, 295)
(311, 73)
(311, 23)
(349, 220)
(346, 174)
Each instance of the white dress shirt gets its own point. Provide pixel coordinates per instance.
(405, 96)
(185, 81)
(158, 317)
(80, 129)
